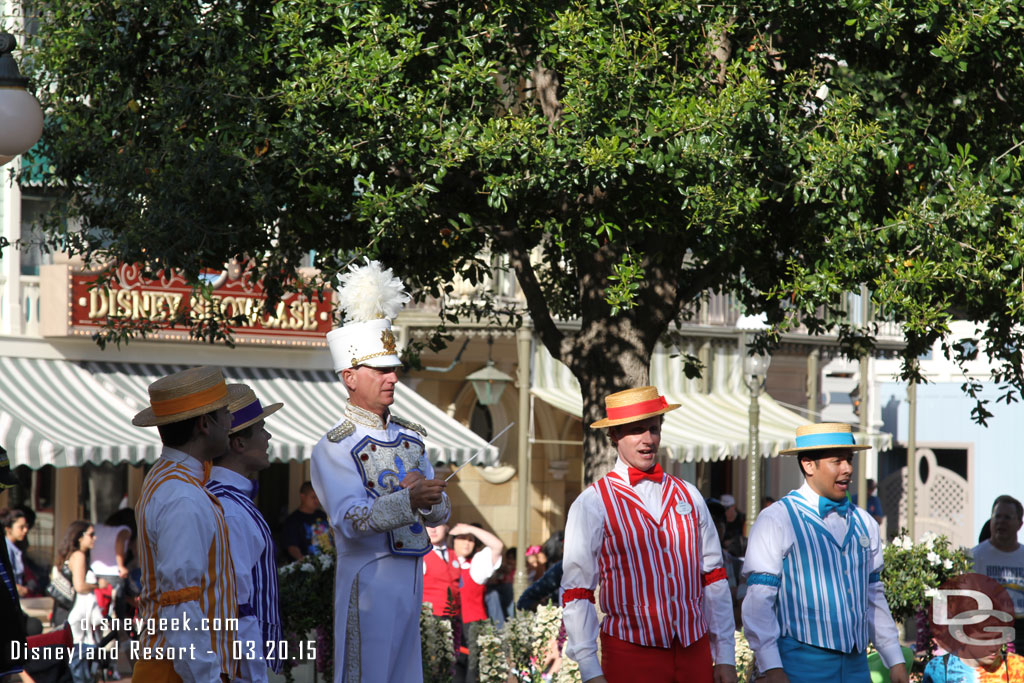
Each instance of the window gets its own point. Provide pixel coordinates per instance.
(481, 423)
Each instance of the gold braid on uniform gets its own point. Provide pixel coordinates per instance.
(409, 424)
(342, 431)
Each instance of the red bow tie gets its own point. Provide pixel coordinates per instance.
(654, 474)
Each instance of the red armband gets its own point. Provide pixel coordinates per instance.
(577, 594)
(714, 575)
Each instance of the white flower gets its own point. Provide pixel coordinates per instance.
(947, 564)
(931, 593)
(933, 557)
(307, 567)
(929, 540)
(903, 542)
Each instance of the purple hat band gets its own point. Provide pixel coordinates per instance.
(249, 412)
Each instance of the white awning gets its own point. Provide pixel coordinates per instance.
(64, 413)
(55, 413)
(707, 426)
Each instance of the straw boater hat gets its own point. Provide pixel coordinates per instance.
(371, 296)
(184, 394)
(633, 405)
(245, 408)
(823, 436)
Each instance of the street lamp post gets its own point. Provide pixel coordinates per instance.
(755, 370)
(21, 118)
(489, 382)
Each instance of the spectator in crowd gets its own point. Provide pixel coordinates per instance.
(442, 575)
(15, 531)
(110, 556)
(997, 665)
(1001, 557)
(12, 622)
(734, 540)
(536, 563)
(499, 595)
(766, 501)
(35, 573)
(734, 519)
(306, 530)
(113, 551)
(732, 565)
(546, 587)
(874, 506)
(85, 615)
(874, 502)
(479, 554)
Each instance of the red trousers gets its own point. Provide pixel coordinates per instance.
(624, 662)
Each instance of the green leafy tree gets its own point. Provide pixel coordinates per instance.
(626, 157)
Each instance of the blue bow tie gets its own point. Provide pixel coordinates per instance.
(840, 507)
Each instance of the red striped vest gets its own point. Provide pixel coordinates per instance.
(473, 608)
(652, 586)
(440, 578)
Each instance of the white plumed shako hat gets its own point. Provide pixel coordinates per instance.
(370, 296)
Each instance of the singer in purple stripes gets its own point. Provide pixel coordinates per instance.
(232, 480)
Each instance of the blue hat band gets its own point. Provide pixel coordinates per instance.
(837, 439)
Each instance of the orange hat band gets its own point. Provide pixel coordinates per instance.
(635, 409)
(173, 406)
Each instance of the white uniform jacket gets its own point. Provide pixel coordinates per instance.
(379, 577)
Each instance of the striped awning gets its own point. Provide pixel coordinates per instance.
(54, 412)
(66, 413)
(708, 426)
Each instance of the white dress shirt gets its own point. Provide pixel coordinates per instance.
(584, 536)
(771, 539)
(481, 566)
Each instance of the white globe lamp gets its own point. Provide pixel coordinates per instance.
(21, 118)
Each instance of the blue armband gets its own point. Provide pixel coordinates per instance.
(761, 579)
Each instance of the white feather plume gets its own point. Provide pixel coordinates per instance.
(370, 292)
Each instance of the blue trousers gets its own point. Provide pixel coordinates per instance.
(805, 663)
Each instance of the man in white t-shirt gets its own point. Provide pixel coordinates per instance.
(1001, 557)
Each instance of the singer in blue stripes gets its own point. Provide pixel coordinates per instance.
(232, 480)
(813, 566)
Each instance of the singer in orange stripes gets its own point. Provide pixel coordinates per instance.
(187, 606)
(648, 539)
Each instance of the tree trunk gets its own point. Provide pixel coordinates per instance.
(608, 356)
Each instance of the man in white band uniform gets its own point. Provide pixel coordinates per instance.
(647, 537)
(813, 566)
(371, 474)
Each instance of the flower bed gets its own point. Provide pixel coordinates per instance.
(306, 590)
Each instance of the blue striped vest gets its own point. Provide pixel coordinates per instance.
(264, 600)
(823, 594)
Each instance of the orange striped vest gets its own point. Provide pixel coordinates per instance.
(216, 590)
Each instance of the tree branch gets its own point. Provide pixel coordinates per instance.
(519, 258)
